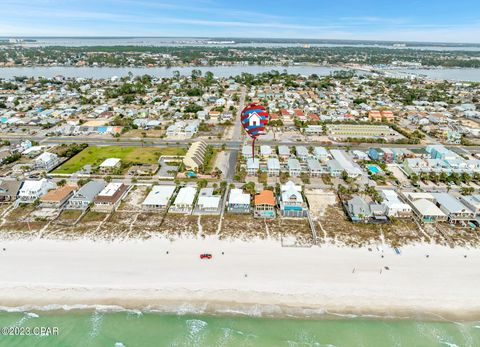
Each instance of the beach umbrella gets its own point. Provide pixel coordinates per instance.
(254, 118)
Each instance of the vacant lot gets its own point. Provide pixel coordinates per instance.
(243, 227)
(133, 201)
(129, 155)
(319, 200)
(137, 133)
(69, 216)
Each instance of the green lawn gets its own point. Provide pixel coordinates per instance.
(129, 155)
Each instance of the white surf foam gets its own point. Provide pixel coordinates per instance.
(96, 320)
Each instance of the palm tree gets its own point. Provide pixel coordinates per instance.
(466, 177)
(434, 177)
(443, 177)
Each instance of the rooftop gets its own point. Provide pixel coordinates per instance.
(159, 195)
(110, 189)
(58, 194)
(110, 162)
(237, 196)
(427, 208)
(265, 198)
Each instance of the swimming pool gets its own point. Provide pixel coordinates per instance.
(373, 169)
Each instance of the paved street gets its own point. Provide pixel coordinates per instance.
(237, 131)
(230, 144)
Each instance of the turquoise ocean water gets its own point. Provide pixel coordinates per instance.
(130, 328)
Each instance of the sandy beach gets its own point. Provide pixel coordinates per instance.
(257, 278)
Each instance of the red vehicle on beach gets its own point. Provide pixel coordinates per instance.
(205, 256)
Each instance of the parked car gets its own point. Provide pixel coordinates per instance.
(205, 256)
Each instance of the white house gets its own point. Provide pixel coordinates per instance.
(253, 165)
(302, 152)
(254, 119)
(320, 153)
(395, 207)
(33, 190)
(158, 197)
(314, 167)
(184, 201)
(46, 161)
(284, 152)
(207, 202)
(110, 164)
(247, 151)
(291, 201)
(265, 151)
(238, 202)
(294, 167)
(273, 167)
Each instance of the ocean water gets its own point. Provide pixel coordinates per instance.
(133, 328)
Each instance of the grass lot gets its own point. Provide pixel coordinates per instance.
(69, 215)
(20, 212)
(138, 133)
(129, 155)
(92, 216)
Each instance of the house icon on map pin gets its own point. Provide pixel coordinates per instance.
(254, 120)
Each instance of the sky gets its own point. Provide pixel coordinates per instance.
(395, 20)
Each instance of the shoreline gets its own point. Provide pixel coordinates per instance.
(114, 300)
(304, 283)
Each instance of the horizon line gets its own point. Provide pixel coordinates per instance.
(238, 37)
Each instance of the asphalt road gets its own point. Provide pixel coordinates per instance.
(230, 144)
(237, 130)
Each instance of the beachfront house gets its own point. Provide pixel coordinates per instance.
(158, 198)
(264, 205)
(395, 207)
(358, 209)
(472, 202)
(56, 198)
(238, 201)
(109, 197)
(82, 199)
(184, 200)
(33, 190)
(207, 202)
(9, 190)
(455, 210)
(291, 201)
(424, 208)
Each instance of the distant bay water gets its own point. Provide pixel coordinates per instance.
(108, 72)
(232, 42)
(131, 329)
(452, 74)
